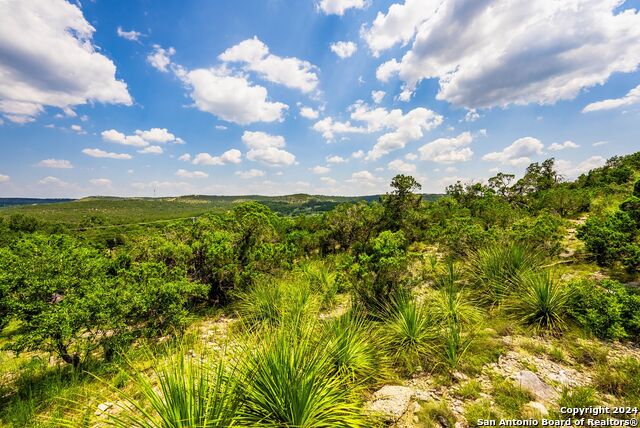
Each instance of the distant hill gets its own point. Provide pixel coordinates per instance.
(8, 202)
(100, 210)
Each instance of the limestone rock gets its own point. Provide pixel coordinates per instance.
(529, 381)
(390, 402)
(537, 407)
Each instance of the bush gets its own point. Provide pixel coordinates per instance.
(608, 309)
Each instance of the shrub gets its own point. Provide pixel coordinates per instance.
(324, 282)
(608, 309)
(620, 378)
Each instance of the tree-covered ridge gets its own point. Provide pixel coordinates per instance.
(329, 306)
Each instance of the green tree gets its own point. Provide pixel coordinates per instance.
(399, 203)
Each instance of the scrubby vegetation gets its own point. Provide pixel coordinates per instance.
(250, 317)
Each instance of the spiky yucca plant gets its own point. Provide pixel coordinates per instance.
(289, 381)
(541, 302)
(323, 281)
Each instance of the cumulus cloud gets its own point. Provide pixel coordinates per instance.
(191, 174)
(471, 116)
(230, 156)
(113, 136)
(267, 148)
(632, 97)
(153, 150)
(309, 113)
(98, 153)
(105, 182)
(53, 181)
(344, 49)
(185, 157)
(78, 129)
(47, 58)
(499, 52)
(448, 150)
(157, 135)
(411, 156)
(141, 138)
(230, 97)
(377, 96)
(401, 127)
(338, 7)
(357, 154)
(55, 163)
(320, 170)
(518, 153)
(4, 178)
(252, 173)
(291, 72)
(572, 170)
(132, 35)
(328, 181)
(401, 166)
(336, 159)
(364, 178)
(561, 146)
(160, 58)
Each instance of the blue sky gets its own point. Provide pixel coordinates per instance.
(136, 98)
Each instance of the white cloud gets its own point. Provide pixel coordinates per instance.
(518, 153)
(55, 181)
(156, 135)
(308, 113)
(252, 173)
(398, 25)
(336, 159)
(377, 96)
(55, 163)
(160, 58)
(291, 72)
(500, 52)
(267, 148)
(344, 49)
(231, 98)
(49, 59)
(97, 153)
(357, 154)
(570, 170)
(230, 156)
(113, 136)
(411, 156)
(185, 157)
(600, 143)
(221, 127)
(154, 150)
(632, 97)
(191, 174)
(364, 178)
(141, 138)
(471, 116)
(328, 128)
(78, 129)
(319, 169)
(4, 178)
(448, 150)
(399, 165)
(132, 35)
(101, 182)
(329, 181)
(338, 7)
(561, 146)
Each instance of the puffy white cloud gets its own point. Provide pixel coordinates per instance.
(291, 72)
(471, 116)
(98, 153)
(185, 157)
(191, 174)
(357, 154)
(308, 113)
(328, 128)
(141, 138)
(561, 146)
(156, 135)
(398, 25)
(336, 159)
(448, 150)
(344, 49)
(571, 170)
(230, 156)
(113, 136)
(101, 182)
(377, 96)
(328, 181)
(55, 181)
(338, 7)
(4, 178)
(252, 173)
(78, 129)
(55, 163)
(231, 98)
(153, 150)
(399, 165)
(47, 58)
(632, 97)
(497, 52)
(132, 35)
(411, 156)
(518, 153)
(267, 148)
(160, 58)
(319, 169)
(364, 178)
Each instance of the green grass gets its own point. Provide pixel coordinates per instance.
(469, 390)
(435, 415)
(510, 397)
